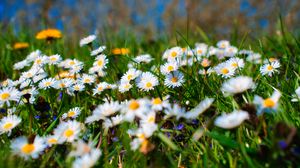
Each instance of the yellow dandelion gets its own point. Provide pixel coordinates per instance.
(48, 34)
(20, 45)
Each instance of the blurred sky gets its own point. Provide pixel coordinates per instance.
(92, 14)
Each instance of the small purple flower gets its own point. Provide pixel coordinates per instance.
(282, 144)
(37, 117)
(60, 95)
(180, 126)
(168, 134)
(195, 121)
(54, 117)
(115, 139)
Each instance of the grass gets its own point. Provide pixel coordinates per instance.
(255, 143)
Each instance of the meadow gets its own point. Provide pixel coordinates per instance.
(118, 100)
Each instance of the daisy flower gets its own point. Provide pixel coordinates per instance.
(147, 81)
(47, 83)
(270, 68)
(201, 50)
(68, 131)
(9, 94)
(100, 62)
(237, 85)
(87, 40)
(145, 58)
(41, 60)
(135, 108)
(223, 44)
(78, 87)
(87, 79)
(225, 70)
(54, 59)
(72, 113)
(20, 65)
(169, 67)
(131, 74)
(7, 83)
(63, 83)
(103, 111)
(98, 50)
(205, 63)
(100, 88)
(173, 53)
(124, 87)
(52, 140)
(22, 147)
(236, 63)
(267, 105)
(158, 104)
(199, 109)
(230, 51)
(116, 120)
(8, 123)
(174, 79)
(231, 120)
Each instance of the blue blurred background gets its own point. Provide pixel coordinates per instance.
(151, 17)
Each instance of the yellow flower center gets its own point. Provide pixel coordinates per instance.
(205, 63)
(272, 59)
(100, 63)
(68, 133)
(71, 113)
(8, 126)
(100, 88)
(87, 80)
(225, 71)
(151, 119)
(269, 103)
(174, 79)
(53, 58)
(127, 86)
(174, 54)
(38, 61)
(28, 148)
(234, 65)
(129, 77)
(72, 63)
(52, 140)
(76, 88)
(62, 85)
(170, 68)
(5, 96)
(29, 75)
(199, 51)
(134, 105)
(141, 136)
(148, 84)
(47, 83)
(269, 68)
(157, 101)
